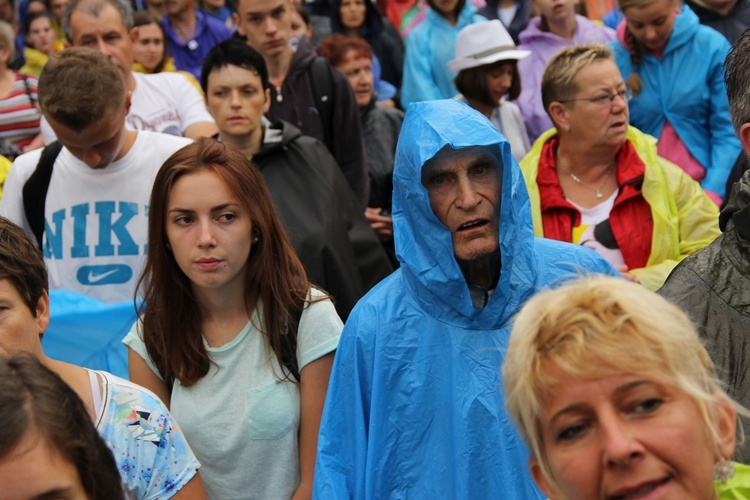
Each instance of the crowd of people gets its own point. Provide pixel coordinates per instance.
(377, 249)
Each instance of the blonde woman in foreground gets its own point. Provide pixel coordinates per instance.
(616, 398)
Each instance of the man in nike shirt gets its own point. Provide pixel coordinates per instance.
(92, 229)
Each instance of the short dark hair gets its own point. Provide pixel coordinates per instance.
(234, 52)
(737, 72)
(79, 86)
(472, 83)
(336, 47)
(35, 401)
(21, 263)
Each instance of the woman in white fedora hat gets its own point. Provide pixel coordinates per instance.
(488, 79)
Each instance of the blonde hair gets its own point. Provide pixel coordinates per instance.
(558, 81)
(595, 326)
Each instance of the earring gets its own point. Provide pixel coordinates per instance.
(256, 239)
(723, 470)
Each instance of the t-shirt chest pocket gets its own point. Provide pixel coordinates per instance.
(269, 411)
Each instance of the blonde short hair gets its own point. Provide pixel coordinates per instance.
(596, 326)
(558, 81)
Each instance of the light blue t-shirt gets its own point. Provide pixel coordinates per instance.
(241, 420)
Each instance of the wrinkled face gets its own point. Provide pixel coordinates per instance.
(464, 189)
(105, 33)
(626, 436)
(556, 11)
(57, 8)
(99, 144)
(35, 469)
(41, 36)
(352, 13)
(19, 327)
(267, 24)
(499, 80)
(358, 70)
(209, 233)
(148, 48)
(237, 101)
(603, 122)
(652, 24)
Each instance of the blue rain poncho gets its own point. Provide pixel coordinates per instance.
(415, 402)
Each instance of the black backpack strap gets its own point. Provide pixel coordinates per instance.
(35, 190)
(289, 342)
(323, 92)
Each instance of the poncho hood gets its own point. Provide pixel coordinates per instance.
(423, 244)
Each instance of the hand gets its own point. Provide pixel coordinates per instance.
(388, 103)
(625, 274)
(304, 492)
(381, 224)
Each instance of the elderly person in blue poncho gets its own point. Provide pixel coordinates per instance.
(415, 403)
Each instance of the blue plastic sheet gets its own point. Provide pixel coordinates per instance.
(87, 332)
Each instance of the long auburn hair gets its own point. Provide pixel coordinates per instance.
(172, 320)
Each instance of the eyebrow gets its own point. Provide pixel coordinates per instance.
(619, 391)
(53, 494)
(217, 208)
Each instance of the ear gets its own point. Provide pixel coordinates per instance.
(135, 34)
(238, 23)
(42, 313)
(540, 480)
(559, 114)
(727, 427)
(745, 137)
(128, 101)
(267, 104)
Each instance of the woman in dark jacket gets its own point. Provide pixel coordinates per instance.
(361, 18)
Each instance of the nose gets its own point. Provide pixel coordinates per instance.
(619, 103)
(206, 236)
(235, 100)
(650, 34)
(102, 47)
(270, 27)
(467, 196)
(620, 446)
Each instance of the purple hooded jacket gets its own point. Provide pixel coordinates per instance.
(543, 45)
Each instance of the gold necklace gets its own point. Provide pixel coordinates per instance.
(597, 190)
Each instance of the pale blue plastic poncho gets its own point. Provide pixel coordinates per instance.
(415, 403)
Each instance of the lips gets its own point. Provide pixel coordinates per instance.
(473, 224)
(208, 263)
(642, 490)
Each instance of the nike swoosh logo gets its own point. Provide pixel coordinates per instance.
(107, 274)
(94, 278)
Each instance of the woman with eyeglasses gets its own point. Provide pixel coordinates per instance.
(674, 66)
(594, 180)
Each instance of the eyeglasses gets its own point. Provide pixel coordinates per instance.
(605, 100)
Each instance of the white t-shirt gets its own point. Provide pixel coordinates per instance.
(161, 102)
(595, 232)
(241, 421)
(95, 220)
